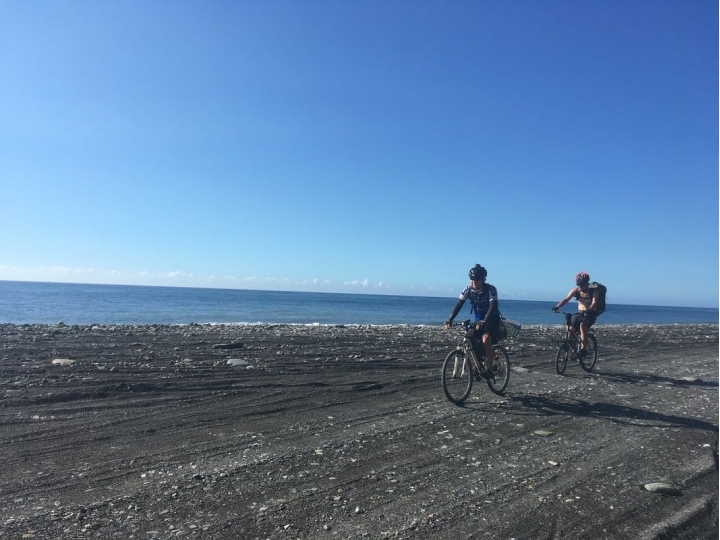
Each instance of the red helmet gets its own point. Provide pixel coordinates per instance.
(582, 278)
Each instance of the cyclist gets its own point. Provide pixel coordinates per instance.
(587, 310)
(484, 301)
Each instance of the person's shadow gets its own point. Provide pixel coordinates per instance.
(622, 414)
(646, 378)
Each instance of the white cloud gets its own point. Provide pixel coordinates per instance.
(366, 284)
(178, 278)
(179, 274)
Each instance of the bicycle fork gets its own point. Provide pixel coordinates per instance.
(470, 359)
(465, 364)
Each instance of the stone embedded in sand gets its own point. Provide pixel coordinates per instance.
(63, 362)
(543, 432)
(665, 489)
(228, 346)
(236, 362)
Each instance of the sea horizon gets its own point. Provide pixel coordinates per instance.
(451, 295)
(35, 302)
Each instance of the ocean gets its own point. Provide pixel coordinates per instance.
(50, 303)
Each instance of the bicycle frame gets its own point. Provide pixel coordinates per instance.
(571, 342)
(465, 346)
(463, 365)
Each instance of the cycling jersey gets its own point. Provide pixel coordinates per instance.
(480, 300)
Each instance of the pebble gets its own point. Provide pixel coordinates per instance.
(236, 362)
(665, 489)
(63, 362)
(228, 346)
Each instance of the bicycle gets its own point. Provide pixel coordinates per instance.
(569, 346)
(462, 366)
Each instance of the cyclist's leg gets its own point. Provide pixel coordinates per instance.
(490, 332)
(489, 353)
(585, 324)
(575, 328)
(476, 341)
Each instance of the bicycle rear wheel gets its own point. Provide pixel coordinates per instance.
(561, 359)
(587, 362)
(457, 376)
(501, 369)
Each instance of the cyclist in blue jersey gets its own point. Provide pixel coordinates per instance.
(484, 301)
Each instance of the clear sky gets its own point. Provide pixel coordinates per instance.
(365, 146)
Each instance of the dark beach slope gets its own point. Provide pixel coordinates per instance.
(344, 432)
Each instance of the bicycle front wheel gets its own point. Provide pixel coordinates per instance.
(587, 362)
(501, 369)
(457, 376)
(561, 359)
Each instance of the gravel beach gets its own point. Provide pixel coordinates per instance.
(283, 432)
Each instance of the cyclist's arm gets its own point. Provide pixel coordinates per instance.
(492, 309)
(456, 310)
(565, 300)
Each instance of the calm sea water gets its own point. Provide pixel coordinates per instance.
(49, 303)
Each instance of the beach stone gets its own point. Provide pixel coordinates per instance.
(543, 432)
(63, 362)
(228, 346)
(665, 489)
(237, 362)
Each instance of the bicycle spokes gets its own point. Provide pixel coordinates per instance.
(457, 377)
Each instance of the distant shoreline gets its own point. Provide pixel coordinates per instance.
(316, 326)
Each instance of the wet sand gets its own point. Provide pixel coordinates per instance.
(274, 431)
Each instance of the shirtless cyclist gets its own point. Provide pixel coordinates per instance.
(587, 308)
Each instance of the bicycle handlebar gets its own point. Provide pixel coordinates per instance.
(466, 323)
(583, 313)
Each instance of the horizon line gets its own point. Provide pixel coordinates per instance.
(317, 292)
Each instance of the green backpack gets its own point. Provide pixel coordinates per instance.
(602, 289)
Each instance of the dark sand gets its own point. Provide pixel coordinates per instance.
(344, 432)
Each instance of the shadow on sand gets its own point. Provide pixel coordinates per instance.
(645, 378)
(551, 406)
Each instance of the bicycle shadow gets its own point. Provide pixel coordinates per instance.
(621, 414)
(645, 378)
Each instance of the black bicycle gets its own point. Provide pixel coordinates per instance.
(462, 365)
(569, 349)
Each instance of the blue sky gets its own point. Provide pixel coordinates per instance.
(363, 146)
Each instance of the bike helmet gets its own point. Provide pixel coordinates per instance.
(582, 278)
(477, 272)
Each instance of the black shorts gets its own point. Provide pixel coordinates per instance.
(586, 316)
(491, 327)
